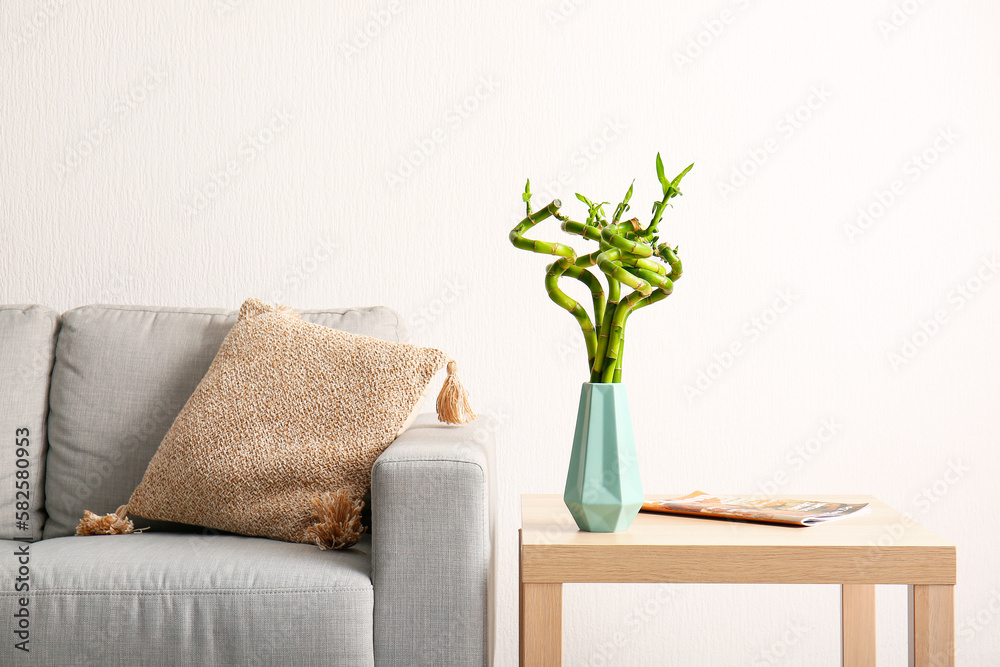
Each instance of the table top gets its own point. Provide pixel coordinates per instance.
(884, 546)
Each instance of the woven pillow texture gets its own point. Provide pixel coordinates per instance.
(279, 438)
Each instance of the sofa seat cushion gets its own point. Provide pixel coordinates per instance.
(121, 376)
(187, 598)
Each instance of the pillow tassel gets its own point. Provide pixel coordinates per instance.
(453, 401)
(338, 520)
(109, 524)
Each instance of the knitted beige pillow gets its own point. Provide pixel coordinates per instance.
(279, 438)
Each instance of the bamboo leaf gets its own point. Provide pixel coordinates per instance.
(659, 170)
(586, 201)
(527, 191)
(677, 180)
(623, 204)
(683, 173)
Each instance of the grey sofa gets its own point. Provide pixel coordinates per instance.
(86, 397)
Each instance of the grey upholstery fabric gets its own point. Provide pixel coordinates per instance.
(189, 599)
(27, 344)
(415, 593)
(121, 376)
(431, 545)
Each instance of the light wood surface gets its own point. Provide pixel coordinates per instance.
(882, 547)
(932, 626)
(540, 625)
(857, 615)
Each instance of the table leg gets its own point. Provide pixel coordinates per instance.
(540, 623)
(932, 626)
(857, 616)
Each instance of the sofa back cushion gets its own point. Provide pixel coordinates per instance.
(27, 345)
(121, 376)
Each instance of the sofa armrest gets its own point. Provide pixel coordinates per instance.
(431, 544)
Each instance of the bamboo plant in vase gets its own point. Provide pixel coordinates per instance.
(603, 487)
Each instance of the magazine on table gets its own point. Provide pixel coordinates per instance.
(748, 508)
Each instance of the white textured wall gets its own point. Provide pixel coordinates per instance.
(343, 153)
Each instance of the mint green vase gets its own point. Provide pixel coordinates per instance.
(603, 489)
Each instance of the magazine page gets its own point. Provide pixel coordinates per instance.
(748, 508)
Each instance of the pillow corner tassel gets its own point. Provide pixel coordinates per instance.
(338, 520)
(453, 401)
(117, 523)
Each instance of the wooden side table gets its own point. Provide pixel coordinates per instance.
(883, 547)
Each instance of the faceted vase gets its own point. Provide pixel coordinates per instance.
(603, 489)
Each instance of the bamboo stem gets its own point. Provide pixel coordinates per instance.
(563, 265)
(609, 262)
(516, 235)
(669, 255)
(621, 355)
(612, 355)
(631, 246)
(627, 255)
(589, 232)
(553, 273)
(596, 289)
(614, 295)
